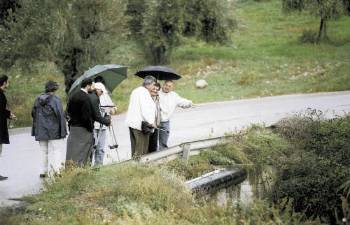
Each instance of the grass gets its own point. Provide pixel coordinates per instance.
(263, 58)
(132, 194)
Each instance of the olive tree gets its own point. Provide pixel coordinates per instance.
(161, 30)
(324, 9)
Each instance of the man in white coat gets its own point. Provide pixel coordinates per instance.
(168, 100)
(141, 109)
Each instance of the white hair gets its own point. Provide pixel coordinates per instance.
(148, 80)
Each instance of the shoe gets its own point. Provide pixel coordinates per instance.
(3, 178)
(43, 175)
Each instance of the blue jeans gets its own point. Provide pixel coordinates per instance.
(100, 137)
(164, 132)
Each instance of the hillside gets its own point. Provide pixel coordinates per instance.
(263, 58)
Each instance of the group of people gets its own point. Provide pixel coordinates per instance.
(148, 118)
(87, 117)
(88, 114)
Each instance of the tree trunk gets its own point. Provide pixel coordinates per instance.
(322, 32)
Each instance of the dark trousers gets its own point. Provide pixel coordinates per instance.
(79, 145)
(139, 143)
(153, 142)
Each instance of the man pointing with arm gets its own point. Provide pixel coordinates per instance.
(168, 100)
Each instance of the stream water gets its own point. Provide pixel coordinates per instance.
(253, 187)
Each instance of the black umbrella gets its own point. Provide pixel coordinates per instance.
(159, 72)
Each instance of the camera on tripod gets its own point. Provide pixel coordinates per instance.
(107, 111)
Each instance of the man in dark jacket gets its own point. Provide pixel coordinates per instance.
(5, 114)
(81, 122)
(49, 128)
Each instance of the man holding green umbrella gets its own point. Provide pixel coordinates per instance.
(81, 112)
(81, 119)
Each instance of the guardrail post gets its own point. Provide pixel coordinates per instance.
(186, 149)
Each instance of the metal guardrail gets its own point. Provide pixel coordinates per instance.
(208, 182)
(217, 179)
(184, 150)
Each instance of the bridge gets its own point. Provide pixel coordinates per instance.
(21, 159)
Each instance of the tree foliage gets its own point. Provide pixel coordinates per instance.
(75, 34)
(159, 24)
(71, 33)
(161, 30)
(83, 44)
(7, 7)
(207, 19)
(135, 10)
(347, 6)
(29, 33)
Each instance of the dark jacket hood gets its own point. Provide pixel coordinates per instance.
(44, 99)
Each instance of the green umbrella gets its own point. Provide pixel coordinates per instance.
(112, 74)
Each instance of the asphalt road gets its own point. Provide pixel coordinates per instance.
(21, 159)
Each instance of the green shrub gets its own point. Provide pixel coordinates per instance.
(233, 152)
(309, 36)
(195, 167)
(313, 173)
